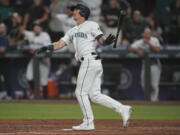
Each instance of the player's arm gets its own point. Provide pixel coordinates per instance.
(135, 47)
(99, 36)
(53, 47)
(138, 51)
(57, 45)
(60, 17)
(155, 48)
(26, 20)
(100, 39)
(105, 41)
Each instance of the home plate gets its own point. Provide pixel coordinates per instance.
(68, 129)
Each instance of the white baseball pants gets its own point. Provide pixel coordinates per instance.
(89, 86)
(155, 73)
(44, 69)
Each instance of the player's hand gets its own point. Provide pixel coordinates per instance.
(45, 48)
(109, 40)
(147, 41)
(53, 15)
(140, 52)
(123, 5)
(2, 50)
(42, 49)
(32, 51)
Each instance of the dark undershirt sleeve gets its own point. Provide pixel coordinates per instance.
(99, 36)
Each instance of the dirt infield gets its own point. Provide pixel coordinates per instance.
(103, 127)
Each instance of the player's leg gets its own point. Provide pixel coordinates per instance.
(8, 88)
(83, 84)
(4, 79)
(44, 72)
(104, 100)
(155, 78)
(143, 78)
(29, 77)
(29, 71)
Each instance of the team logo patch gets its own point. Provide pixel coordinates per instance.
(22, 78)
(125, 79)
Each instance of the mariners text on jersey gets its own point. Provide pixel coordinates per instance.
(80, 35)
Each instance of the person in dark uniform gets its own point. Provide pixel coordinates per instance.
(4, 68)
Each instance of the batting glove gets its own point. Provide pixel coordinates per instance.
(44, 49)
(109, 40)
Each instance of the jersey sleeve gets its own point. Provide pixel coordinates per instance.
(47, 39)
(156, 42)
(96, 31)
(67, 38)
(61, 17)
(28, 35)
(137, 44)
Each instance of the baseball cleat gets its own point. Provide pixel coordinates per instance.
(84, 126)
(126, 115)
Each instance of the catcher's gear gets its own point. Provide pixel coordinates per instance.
(44, 49)
(84, 10)
(109, 40)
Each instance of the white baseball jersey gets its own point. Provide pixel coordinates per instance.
(83, 38)
(139, 44)
(155, 68)
(37, 42)
(67, 22)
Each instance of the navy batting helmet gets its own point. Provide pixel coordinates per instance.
(84, 10)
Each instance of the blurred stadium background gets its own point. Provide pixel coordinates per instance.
(122, 68)
(21, 112)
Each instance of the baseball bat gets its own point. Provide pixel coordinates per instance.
(120, 22)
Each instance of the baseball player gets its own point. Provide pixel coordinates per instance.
(149, 43)
(37, 38)
(83, 37)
